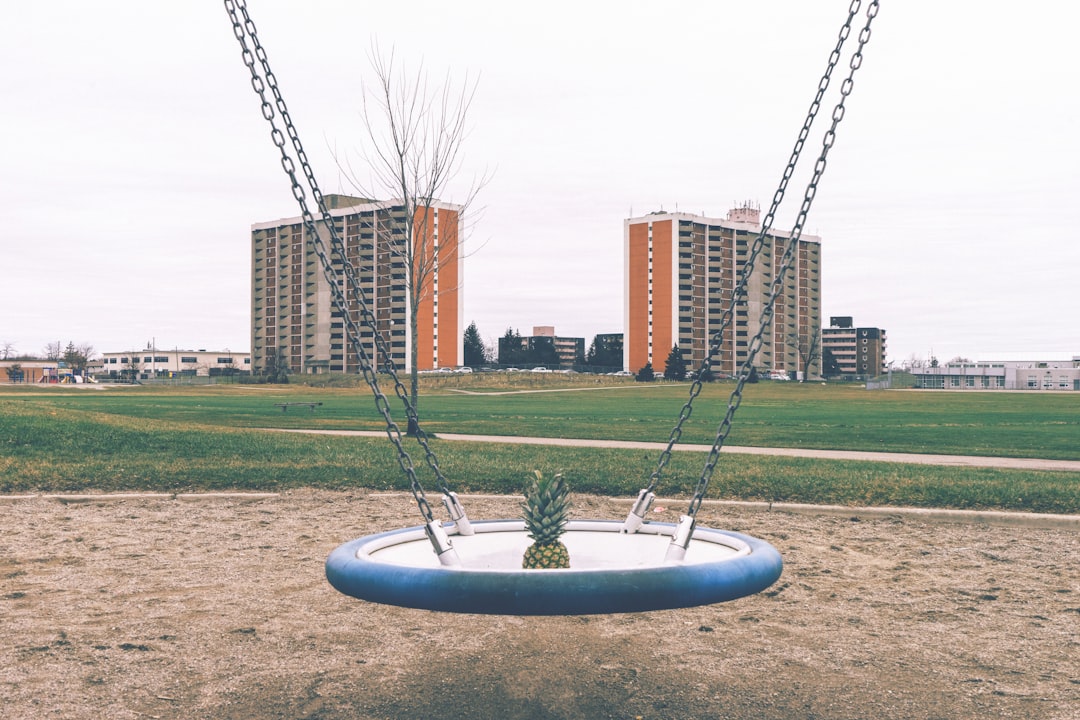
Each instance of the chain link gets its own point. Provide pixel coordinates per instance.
(244, 31)
(739, 294)
(789, 254)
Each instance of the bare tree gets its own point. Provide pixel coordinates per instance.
(132, 366)
(86, 350)
(807, 347)
(7, 349)
(416, 136)
(54, 351)
(78, 357)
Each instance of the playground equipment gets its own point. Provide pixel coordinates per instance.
(626, 566)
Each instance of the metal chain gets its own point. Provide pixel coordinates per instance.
(789, 254)
(338, 247)
(739, 293)
(246, 30)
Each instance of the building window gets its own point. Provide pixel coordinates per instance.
(188, 360)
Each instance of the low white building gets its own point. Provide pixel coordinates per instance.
(1059, 375)
(154, 362)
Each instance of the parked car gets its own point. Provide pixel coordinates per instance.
(540, 369)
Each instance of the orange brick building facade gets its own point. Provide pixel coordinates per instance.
(680, 274)
(293, 319)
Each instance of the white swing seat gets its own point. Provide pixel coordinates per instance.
(611, 572)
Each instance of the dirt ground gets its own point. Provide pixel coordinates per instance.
(218, 608)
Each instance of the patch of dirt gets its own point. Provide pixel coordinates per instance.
(218, 608)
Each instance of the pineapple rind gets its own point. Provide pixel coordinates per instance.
(546, 557)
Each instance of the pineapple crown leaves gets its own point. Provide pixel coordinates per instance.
(546, 507)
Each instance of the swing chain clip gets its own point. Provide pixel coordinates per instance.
(440, 542)
(636, 517)
(680, 541)
(457, 513)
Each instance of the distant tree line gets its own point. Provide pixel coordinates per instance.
(605, 353)
(75, 356)
(534, 351)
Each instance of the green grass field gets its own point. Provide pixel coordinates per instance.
(204, 438)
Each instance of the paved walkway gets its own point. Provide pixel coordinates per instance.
(990, 517)
(912, 458)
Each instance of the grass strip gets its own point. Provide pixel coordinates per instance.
(1001, 424)
(46, 448)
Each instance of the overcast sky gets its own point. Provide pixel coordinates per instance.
(134, 158)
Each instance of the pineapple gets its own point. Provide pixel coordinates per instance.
(545, 509)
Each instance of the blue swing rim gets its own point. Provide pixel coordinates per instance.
(351, 570)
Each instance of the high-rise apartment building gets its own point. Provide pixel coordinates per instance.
(293, 318)
(855, 351)
(680, 274)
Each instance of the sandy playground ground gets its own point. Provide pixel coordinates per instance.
(218, 608)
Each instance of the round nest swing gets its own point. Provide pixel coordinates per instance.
(612, 572)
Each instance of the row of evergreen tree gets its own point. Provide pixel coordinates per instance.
(605, 351)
